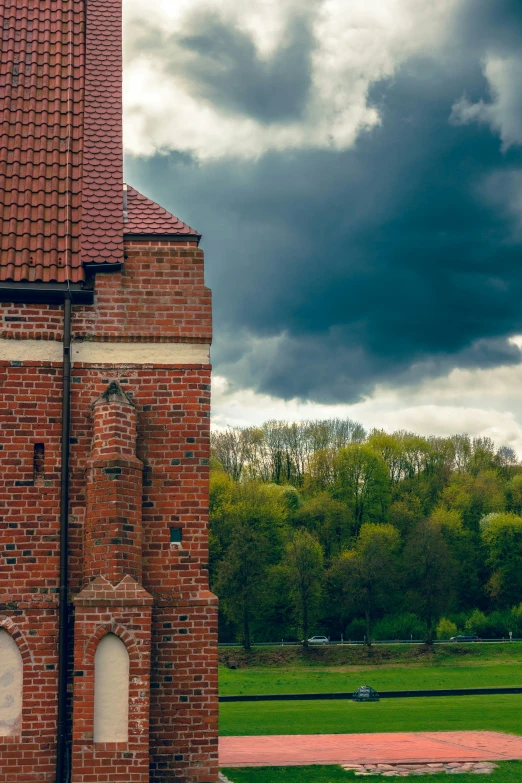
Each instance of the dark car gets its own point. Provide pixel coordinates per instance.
(464, 638)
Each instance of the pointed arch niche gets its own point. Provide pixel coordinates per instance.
(11, 686)
(111, 690)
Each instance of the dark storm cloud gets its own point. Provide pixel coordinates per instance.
(334, 271)
(486, 25)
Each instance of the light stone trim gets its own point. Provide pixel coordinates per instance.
(30, 351)
(111, 691)
(11, 684)
(101, 353)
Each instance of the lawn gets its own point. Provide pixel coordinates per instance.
(401, 667)
(491, 713)
(342, 669)
(346, 679)
(509, 772)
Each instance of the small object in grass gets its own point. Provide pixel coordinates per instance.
(365, 693)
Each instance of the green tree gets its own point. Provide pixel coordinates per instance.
(466, 551)
(475, 496)
(240, 580)
(405, 512)
(476, 622)
(362, 482)
(304, 564)
(391, 449)
(449, 520)
(417, 452)
(321, 471)
(328, 520)
(430, 572)
(483, 456)
(221, 493)
(251, 530)
(446, 629)
(366, 575)
(462, 496)
(514, 494)
(502, 536)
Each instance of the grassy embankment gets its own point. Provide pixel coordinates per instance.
(509, 772)
(294, 670)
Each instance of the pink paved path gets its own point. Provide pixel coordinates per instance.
(428, 747)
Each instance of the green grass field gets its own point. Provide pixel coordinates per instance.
(463, 713)
(392, 668)
(509, 772)
(400, 667)
(290, 670)
(345, 679)
(338, 669)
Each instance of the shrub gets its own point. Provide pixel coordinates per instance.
(446, 629)
(476, 623)
(497, 625)
(399, 626)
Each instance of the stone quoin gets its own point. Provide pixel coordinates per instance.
(108, 630)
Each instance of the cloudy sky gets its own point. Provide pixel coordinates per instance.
(355, 167)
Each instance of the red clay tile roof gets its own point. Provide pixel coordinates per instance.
(102, 203)
(145, 217)
(53, 219)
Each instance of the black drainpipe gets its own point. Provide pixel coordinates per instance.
(62, 747)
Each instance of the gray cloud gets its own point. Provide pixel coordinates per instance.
(503, 112)
(225, 68)
(220, 64)
(394, 260)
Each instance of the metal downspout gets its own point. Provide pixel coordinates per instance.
(62, 746)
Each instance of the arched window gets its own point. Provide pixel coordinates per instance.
(111, 691)
(11, 686)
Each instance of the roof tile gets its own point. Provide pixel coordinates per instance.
(60, 103)
(145, 217)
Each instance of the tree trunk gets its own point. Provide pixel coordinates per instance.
(368, 627)
(429, 623)
(429, 629)
(246, 628)
(305, 623)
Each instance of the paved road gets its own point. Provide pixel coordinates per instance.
(425, 747)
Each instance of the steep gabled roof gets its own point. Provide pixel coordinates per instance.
(60, 138)
(146, 218)
(61, 148)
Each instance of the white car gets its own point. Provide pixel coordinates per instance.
(319, 640)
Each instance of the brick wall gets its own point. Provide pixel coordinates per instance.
(159, 297)
(30, 758)
(31, 321)
(126, 612)
(30, 410)
(173, 406)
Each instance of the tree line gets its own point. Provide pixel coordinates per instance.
(322, 527)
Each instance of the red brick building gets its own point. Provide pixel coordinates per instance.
(108, 631)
